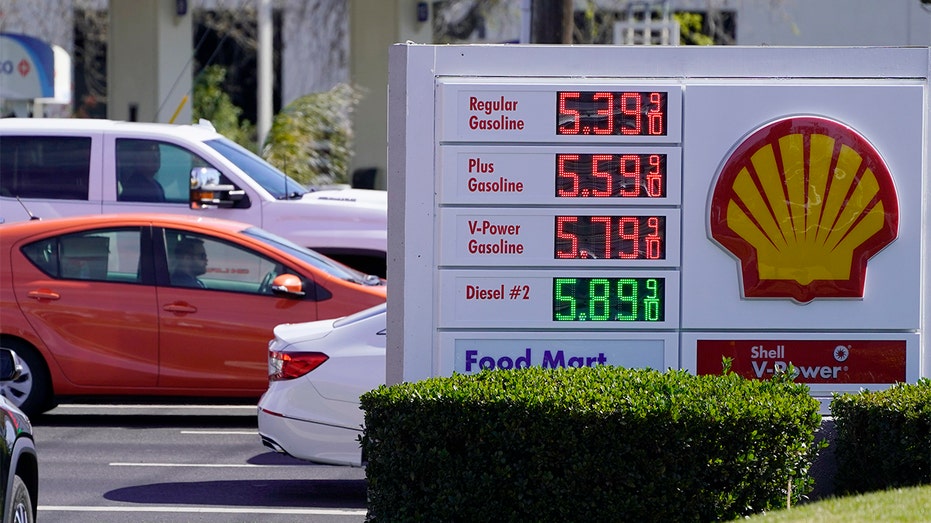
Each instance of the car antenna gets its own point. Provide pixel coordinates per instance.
(31, 216)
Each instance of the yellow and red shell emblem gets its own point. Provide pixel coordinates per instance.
(803, 203)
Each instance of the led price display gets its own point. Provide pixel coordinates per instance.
(611, 175)
(609, 299)
(630, 113)
(610, 237)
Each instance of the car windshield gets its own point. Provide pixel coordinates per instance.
(314, 258)
(279, 184)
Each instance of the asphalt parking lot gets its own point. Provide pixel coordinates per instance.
(180, 463)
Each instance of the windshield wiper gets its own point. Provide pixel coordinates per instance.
(294, 195)
(369, 280)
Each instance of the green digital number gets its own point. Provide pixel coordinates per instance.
(564, 300)
(599, 299)
(627, 299)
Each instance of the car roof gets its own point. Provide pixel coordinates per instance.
(162, 219)
(201, 131)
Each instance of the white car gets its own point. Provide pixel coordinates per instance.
(316, 373)
(78, 166)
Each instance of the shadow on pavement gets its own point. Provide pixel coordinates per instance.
(272, 493)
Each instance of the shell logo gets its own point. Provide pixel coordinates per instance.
(803, 203)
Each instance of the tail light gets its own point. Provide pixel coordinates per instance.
(289, 365)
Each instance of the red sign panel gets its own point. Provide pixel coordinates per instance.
(815, 361)
(804, 202)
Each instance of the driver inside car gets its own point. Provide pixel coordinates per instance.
(190, 262)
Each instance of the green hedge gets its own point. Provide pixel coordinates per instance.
(587, 444)
(883, 438)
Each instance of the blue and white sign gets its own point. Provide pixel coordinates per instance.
(33, 69)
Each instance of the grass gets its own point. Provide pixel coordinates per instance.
(903, 504)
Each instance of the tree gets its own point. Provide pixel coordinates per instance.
(311, 138)
(212, 103)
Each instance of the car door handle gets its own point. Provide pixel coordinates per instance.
(44, 294)
(180, 308)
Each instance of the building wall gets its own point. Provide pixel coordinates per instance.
(813, 22)
(375, 26)
(834, 23)
(315, 56)
(148, 67)
(326, 42)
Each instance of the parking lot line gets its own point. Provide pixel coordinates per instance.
(222, 432)
(200, 510)
(202, 465)
(67, 406)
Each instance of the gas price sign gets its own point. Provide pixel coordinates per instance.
(616, 237)
(661, 207)
(611, 112)
(608, 299)
(611, 237)
(564, 302)
(638, 175)
(551, 229)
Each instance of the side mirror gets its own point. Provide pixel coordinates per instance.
(288, 284)
(206, 190)
(10, 366)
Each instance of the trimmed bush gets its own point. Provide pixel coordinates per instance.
(883, 438)
(587, 444)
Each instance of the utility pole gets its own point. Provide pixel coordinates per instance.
(265, 76)
(551, 22)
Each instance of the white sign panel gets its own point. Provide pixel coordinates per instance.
(760, 204)
(577, 300)
(504, 110)
(565, 175)
(636, 237)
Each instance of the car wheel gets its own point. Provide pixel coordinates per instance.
(20, 509)
(32, 390)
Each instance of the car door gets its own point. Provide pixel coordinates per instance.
(162, 165)
(90, 296)
(169, 168)
(215, 337)
(48, 173)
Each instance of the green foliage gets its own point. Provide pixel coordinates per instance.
(587, 444)
(311, 138)
(212, 103)
(883, 438)
(691, 27)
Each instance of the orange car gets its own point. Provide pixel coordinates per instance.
(157, 305)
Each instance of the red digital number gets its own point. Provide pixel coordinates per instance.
(638, 175)
(629, 168)
(572, 113)
(605, 176)
(633, 224)
(561, 234)
(654, 240)
(605, 222)
(610, 237)
(633, 112)
(562, 172)
(655, 116)
(655, 177)
(607, 112)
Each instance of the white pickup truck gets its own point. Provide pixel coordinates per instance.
(66, 167)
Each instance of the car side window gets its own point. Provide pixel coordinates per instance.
(196, 260)
(50, 167)
(152, 171)
(111, 255)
